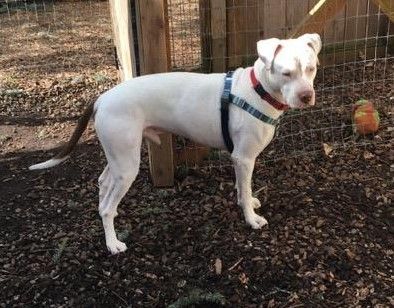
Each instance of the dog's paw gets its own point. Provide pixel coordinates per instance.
(256, 221)
(116, 246)
(256, 203)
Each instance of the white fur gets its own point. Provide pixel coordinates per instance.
(188, 104)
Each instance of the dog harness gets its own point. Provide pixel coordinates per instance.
(228, 98)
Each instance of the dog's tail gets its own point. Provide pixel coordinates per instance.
(65, 153)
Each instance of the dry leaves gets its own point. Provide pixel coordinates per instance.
(327, 149)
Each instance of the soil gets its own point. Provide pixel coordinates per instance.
(326, 193)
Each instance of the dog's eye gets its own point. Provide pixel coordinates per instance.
(310, 69)
(286, 74)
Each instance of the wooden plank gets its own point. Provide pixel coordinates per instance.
(218, 32)
(190, 155)
(318, 16)
(275, 19)
(235, 32)
(390, 39)
(334, 30)
(348, 55)
(374, 20)
(243, 31)
(343, 38)
(213, 25)
(253, 31)
(161, 161)
(387, 6)
(206, 37)
(380, 24)
(154, 43)
(334, 34)
(356, 20)
(155, 58)
(123, 38)
(311, 4)
(296, 10)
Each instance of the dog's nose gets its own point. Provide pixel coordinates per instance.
(306, 97)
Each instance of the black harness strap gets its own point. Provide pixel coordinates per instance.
(227, 99)
(224, 111)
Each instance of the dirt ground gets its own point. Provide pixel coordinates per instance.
(329, 242)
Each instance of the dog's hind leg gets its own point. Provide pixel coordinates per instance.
(123, 155)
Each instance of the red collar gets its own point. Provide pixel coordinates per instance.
(264, 94)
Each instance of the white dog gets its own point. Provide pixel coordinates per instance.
(189, 104)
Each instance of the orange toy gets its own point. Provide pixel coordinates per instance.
(365, 117)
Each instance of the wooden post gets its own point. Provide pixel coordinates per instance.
(236, 23)
(213, 35)
(205, 30)
(123, 38)
(154, 57)
(295, 11)
(218, 32)
(318, 16)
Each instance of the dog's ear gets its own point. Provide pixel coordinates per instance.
(267, 50)
(313, 40)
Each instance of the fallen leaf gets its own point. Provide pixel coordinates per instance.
(350, 254)
(319, 222)
(149, 275)
(181, 283)
(327, 149)
(368, 155)
(243, 278)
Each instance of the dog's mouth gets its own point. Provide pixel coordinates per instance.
(298, 104)
(294, 102)
(301, 105)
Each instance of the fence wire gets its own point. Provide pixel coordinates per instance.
(357, 62)
(49, 39)
(46, 40)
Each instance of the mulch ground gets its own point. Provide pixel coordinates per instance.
(329, 242)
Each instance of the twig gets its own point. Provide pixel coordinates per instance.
(260, 189)
(282, 290)
(43, 250)
(216, 233)
(276, 290)
(297, 305)
(236, 263)
(119, 297)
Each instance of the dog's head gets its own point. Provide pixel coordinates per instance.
(289, 67)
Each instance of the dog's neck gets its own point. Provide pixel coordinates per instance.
(261, 75)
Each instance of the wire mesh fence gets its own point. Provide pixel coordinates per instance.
(356, 62)
(55, 58)
(185, 35)
(48, 39)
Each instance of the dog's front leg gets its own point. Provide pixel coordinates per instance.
(243, 172)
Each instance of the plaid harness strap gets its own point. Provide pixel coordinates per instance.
(228, 98)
